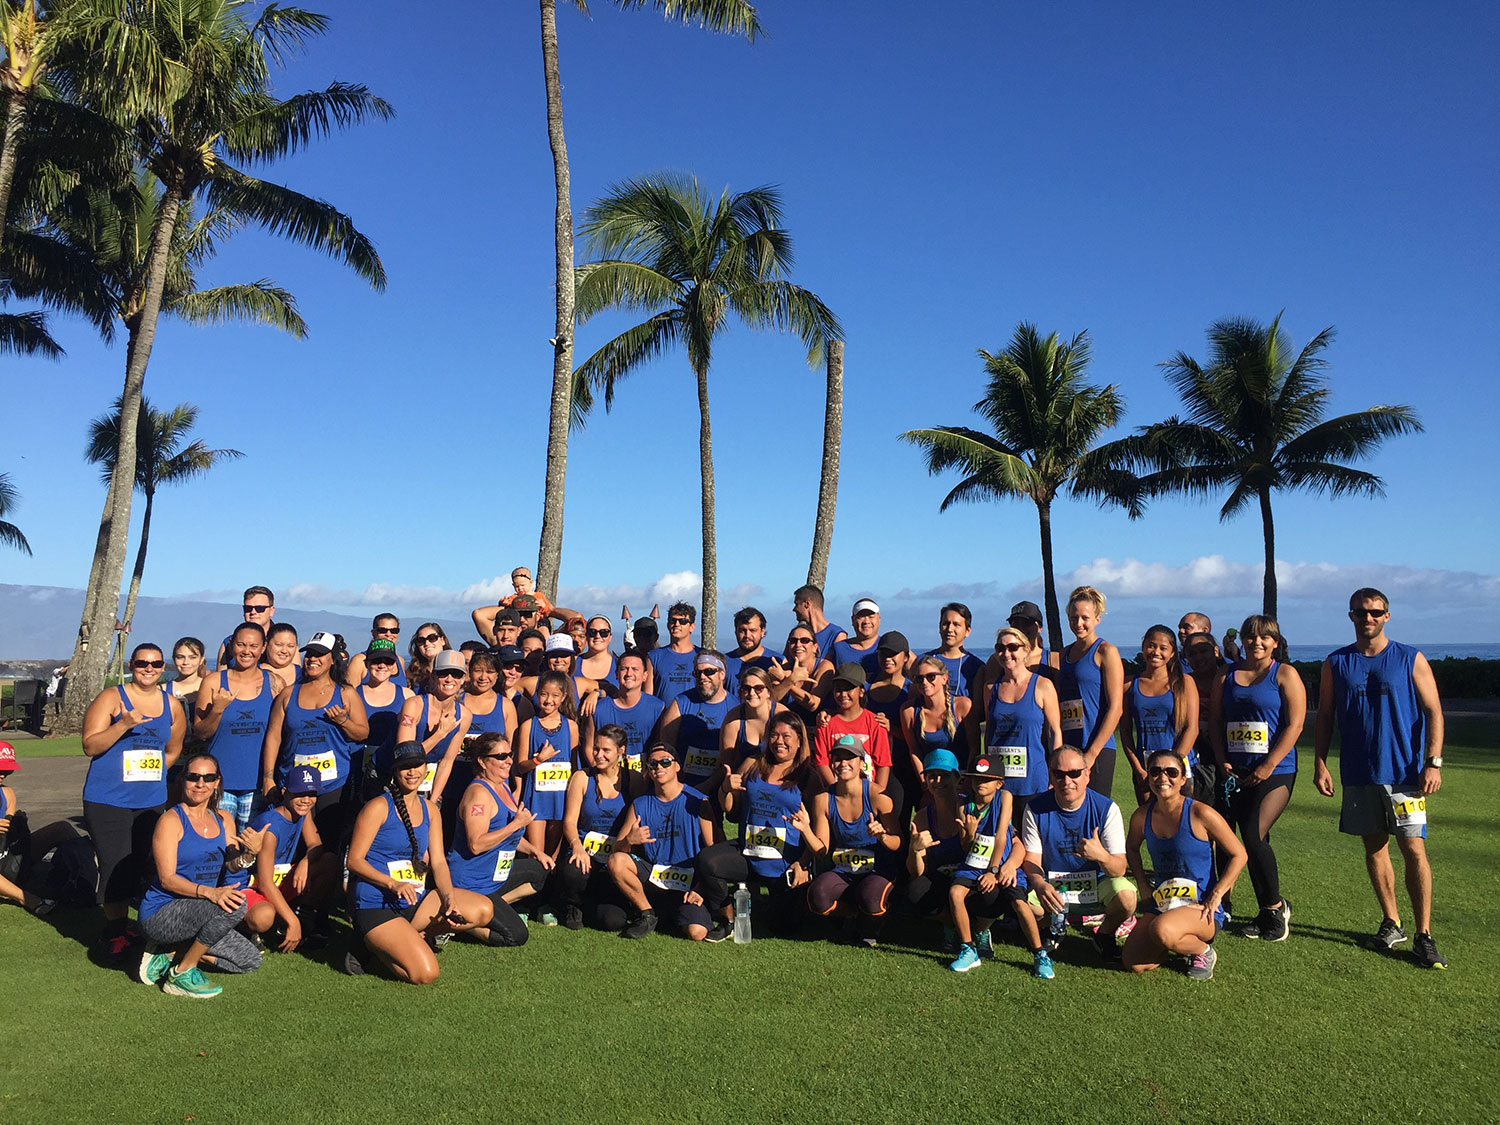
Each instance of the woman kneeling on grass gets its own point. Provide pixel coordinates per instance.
(491, 855)
(185, 906)
(1180, 834)
(594, 814)
(397, 841)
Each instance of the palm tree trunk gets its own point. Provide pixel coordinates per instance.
(549, 553)
(709, 617)
(87, 666)
(828, 485)
(1268, 596)
(15, 120)
(1049, 582)
(122, 637)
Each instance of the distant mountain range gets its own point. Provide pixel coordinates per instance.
(38, 625)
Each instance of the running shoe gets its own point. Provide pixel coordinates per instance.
(1041, 965)
(352, 965)
(440, 942)
(867, 942)
(1274, 923)
(984, 945)
(1201, 965)
(1426, 952)
(968, 958)
(644, 923)
(547, 918)
(720, 931)
(1388, 936)
(1125, 927)
(154, 966)
(573, 918)
(44, 907)
(1108, 948)
(192, 984)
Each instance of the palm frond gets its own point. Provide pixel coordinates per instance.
(26, 334)
(283, 127)
(1350, 436)
(255, 302)
(727, 17)
(1333, 481)
(617, 359)
(619, 284)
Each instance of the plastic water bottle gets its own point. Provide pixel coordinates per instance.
(741, 914)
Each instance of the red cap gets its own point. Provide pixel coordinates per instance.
(8, 761)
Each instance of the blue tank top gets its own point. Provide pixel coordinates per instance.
(939, 739)
(1062, 831)
(426, 727)
(1153, 722)
(991, 847)
(639, 722)
(747, 749)
(462, 772)
(1180, 862)
(767, 839)
(399, 678)
(1014, 732)
(287, 834)
(384, 720)
(735, 665)
(946, 852)
(825, 637)
(845, 653)
(390, 851)
(1252, 720)
(962, 671)
(1382, 730)
(4, 803)
(611, 677)
(200, 859)
(853, 848)
(600, 814)
(485, 872)
(676, 835)
(698, 735)
(132, 774)
(671, 672)
(241, 733)
(901, 764)
(545, 791)
(308, 737)
(1080, 686)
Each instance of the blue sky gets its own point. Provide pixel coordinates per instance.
(1136, 173)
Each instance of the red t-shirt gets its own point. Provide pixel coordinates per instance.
(866, 728)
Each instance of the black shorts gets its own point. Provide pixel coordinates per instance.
(367, 918)
(670, 904)
(122, 841)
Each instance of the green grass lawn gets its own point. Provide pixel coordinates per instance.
(48, 747)
(587, 1027)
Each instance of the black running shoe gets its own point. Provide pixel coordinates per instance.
(1425, 950)
(643, 924)
(573, 918)
(1388, 936)
(720, 931)
(1108, 948)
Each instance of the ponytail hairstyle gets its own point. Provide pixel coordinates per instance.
(1174, 671)
(950, 724)
(477, 748)
(340, 654)
(564, 683)
(399, 800)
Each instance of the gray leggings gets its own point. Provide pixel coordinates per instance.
(198, 919)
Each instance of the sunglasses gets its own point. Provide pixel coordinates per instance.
(678, 621)
(1013, 648)
(379, 663)
(503, 756)
(800, 641)
(931, 677)
(451, 674)
(200, 777)
(1074, 774)
(386, 630)
(1163, 771)
(595, 633)
(659, 763)
(754, 689)
(148, 663)
(427, 638)
(254, 608)
(701, 672)
(1369, 612)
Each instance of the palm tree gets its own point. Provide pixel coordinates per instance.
(23, 38)
(10, 534)
(690, 261)
(1255, 425)
(1044, 418)
(192, 80)
(828, 478)
(731, 17)
(161, 458)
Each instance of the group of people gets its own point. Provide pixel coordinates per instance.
(541, 775)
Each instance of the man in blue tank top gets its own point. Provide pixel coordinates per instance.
(860, 647)
(672, 666)
(1383, 697)
(750, 634)
(807, 604)
(1075, 855)
(955, 623)
(629, 708)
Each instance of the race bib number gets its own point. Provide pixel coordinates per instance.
(633, 762)
(141, 765)
(1248, 738)
(1012, 760)
(668, 878)
(982, 852)
(280, 872)
(1077, 888)
(402, 871)
(1071, 714)
(854, 861)
(763, 841)
(700, 763)
(597, 843)
(552, 777)
(328, 767)
(1172, 893)
(1410, 810)
(504, 861)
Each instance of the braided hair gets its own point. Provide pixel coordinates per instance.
(399, 800)
(950, 723)
(340, 654)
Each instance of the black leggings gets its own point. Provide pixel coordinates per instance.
(928, 893)
(1252, 810)
(122, 841)
(866, 895)
(506, 927)
(593, 892)
(722, 864)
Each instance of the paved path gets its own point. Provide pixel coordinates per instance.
(51, 789)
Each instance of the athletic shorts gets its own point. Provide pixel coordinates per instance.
(1108, 886)
(1372, 810)
(670, 904)
(367, 918)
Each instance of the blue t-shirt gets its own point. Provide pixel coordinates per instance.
(639, 722)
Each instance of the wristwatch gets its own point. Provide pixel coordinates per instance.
(1436, 763)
